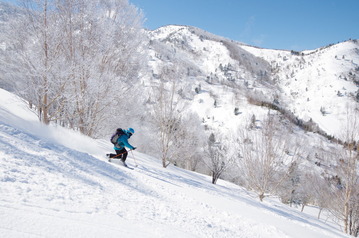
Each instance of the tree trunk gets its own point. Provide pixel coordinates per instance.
(215, 177)
(261, 197)
(45, 112)
(303, 205)
(346, 217)
(320, 212)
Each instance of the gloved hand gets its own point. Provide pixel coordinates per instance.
(134, 148)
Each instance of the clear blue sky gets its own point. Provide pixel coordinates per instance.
(275, 24)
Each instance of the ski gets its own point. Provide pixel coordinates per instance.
(125, 165)
(122, 162)
(128, 167)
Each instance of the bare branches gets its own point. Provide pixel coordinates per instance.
(266, 157)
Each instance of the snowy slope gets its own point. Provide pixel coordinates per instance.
(56, 183)
(315, 80)
(319, 85)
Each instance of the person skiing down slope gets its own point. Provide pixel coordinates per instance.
(121, 144)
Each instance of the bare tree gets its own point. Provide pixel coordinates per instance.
(167, 112)
(266, 157)
(344, 186)
(354, 213)
(314, 189)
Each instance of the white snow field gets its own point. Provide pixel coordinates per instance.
(57, 183)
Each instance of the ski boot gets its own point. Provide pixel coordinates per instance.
(124, 163)
(109, 158)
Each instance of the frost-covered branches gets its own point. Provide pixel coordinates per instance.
(74, 58)
(220, 155)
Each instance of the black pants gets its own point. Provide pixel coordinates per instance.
(123, 155)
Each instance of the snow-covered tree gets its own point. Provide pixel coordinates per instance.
(103, 59)
(220, 155)
(34, 57)
(75, 59)
(188, 142)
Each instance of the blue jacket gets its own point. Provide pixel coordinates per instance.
(122, 142)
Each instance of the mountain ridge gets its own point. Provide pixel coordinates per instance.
(281, 73)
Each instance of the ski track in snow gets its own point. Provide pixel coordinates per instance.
(50, 190)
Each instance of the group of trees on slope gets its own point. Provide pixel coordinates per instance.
(73, 59)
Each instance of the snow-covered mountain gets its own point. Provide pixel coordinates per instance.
(57, 183)
(317, 85)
